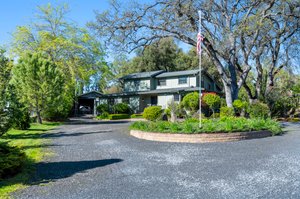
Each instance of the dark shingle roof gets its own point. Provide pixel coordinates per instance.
(178, 73)
(142, 75)
(90, 95)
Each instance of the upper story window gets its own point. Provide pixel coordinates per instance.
(162, 82)
(182, 80)
(136, 83)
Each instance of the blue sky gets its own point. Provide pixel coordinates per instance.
(14, 13)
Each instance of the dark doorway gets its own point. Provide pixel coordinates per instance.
(153, 100)
(85, 106)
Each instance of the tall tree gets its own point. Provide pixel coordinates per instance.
(74, 50)
(5, 74)
(39, 83)
(234, 31)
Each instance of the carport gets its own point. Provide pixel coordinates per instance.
(86, 103)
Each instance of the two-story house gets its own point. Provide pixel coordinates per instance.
(141, 90)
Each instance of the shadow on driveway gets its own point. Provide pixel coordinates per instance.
(51, 171)
(54, 135)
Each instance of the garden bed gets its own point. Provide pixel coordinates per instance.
(212, 130)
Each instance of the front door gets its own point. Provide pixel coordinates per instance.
(153, 100)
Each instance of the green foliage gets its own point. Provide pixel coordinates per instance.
(76, 52)
(136, 116)
(5, 74)
(121, 108)
(102, 108)
(226, 112)
(152, 113)
(11, 160)
(39, 84)
(103, 115)
(191, 102)
(241, 107)
(213, 101)
(259, 110)
(32, 143)
(209, 126)
(118, 116)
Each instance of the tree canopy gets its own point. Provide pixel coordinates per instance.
(39, 84)
(239, 36)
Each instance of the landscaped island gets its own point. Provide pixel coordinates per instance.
(225, 125)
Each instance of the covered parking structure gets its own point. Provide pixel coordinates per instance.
(86, 103)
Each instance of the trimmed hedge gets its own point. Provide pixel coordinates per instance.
(103, 116)
(152, 113)
(11, 160)
(136, 116)
(118, 116)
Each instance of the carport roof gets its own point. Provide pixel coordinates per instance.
(90, 95)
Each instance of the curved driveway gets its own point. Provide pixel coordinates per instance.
(100, 160)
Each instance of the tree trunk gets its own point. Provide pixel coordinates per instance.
(228, 95)
(173, 117)
(38, 113)
(38, 118)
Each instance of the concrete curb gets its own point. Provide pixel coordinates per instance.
(199, 138)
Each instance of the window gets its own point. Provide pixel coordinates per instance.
(162, 82)
(111, 101)
(125, 100)
(182, 80)
(209, 86)
(176, 97)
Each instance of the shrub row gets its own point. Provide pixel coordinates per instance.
(118, 116)
(225, 125)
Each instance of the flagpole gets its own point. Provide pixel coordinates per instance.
(200, 73)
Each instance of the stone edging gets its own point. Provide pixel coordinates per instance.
(199, 138)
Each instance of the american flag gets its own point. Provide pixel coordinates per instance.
(199, 40)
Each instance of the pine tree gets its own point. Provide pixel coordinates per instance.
(39, 83)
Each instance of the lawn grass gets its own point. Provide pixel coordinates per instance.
(32, 144)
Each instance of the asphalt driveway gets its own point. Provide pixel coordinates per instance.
(100, 160)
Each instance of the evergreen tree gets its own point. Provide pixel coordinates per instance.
(5, 73)
(39, 83)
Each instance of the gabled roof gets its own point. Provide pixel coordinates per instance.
(178, 73)
(90, 95)
(142, 75)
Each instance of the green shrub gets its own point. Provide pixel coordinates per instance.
(102, 108)
(167, 111)
(152, 113)
(259, 110)
(11, 160)
(217, 115)
(240, 106)
(226, 112)
(213, 101)
(191, 102)
(136, 116)
(121, 108)
(118, 116)
(225, 125)
(22, 122)
(104, 115)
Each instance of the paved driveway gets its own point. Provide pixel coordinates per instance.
(100, 160)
